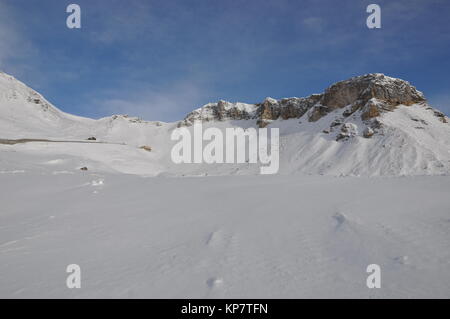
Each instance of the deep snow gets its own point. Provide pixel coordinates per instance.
(229, 236)
(233, 233)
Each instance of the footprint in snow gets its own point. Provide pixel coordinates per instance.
(214, 282)
(340, 219)
(403, 260)
(97, 183)
(215, 238)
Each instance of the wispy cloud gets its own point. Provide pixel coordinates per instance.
(160, 59)
(314, 23)
(166, 104)
(14, 46)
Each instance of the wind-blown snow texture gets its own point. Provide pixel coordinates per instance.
(287, 235)
(226, 236)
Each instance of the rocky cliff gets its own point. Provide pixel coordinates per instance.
(366, 96)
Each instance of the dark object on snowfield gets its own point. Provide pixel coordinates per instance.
(84, 168)
(441, 116)
(92, 139)
(146, 148)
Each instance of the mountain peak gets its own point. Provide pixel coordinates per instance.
(367, 125)
(372, 94)
(375, 85)
(17, 95)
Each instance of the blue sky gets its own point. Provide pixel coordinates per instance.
(159, 59)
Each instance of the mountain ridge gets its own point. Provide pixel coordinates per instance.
(369, 125)
(352, 94)
(398, 92)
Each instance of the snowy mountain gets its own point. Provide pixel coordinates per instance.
(368, 125)
(272, 236)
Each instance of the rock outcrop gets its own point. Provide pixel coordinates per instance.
(220, 111)
(370, 95)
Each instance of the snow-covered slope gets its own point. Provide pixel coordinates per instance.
(223, 237)
(287, 235)
(365, 126)
(24, 113)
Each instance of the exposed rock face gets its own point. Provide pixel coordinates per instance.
(221, 111)
(368, 132)
(370, 95)
(288, 108)
(441, 116)
(125, 117)
(318, 112)
(370, 110)
(373, 93)
(363, 88)
(348, 130)
(285, 109)
(264, 112)
(146, 148)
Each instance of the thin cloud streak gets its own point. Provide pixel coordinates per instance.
(153, 104)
